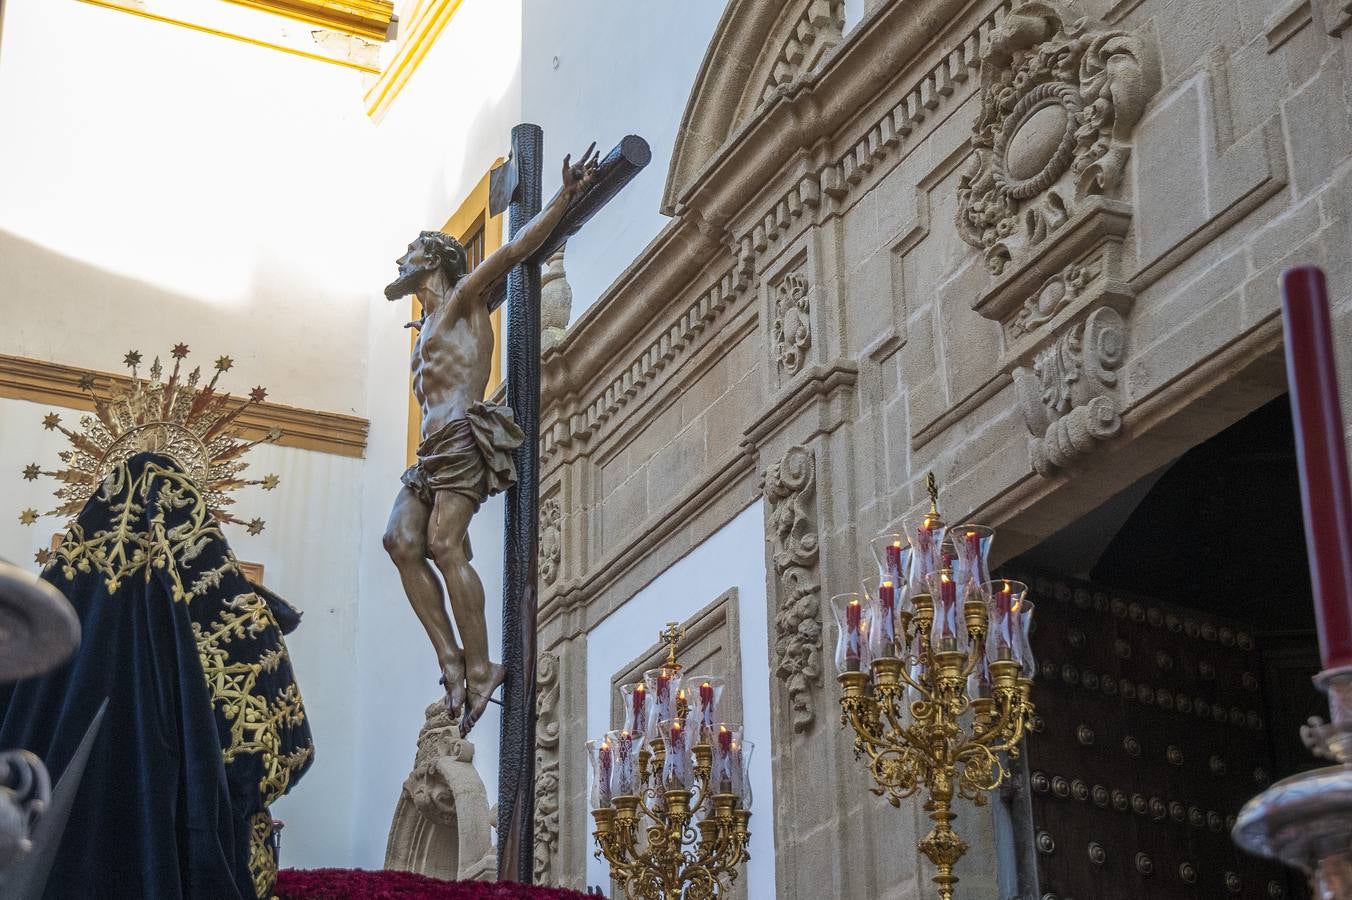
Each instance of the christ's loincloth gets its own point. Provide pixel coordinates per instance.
(470, 456)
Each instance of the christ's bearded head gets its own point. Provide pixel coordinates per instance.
(432, 250)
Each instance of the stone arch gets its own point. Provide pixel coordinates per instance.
(759, 49)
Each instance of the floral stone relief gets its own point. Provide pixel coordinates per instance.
(791, 529)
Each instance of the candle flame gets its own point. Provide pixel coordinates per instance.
(705, 685)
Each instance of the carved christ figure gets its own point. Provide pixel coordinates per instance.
(465, 453)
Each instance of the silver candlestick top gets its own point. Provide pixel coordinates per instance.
(1306, 820)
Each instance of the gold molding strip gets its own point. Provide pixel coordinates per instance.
(205, 29)
(422, 34)
(364, 18)
(40, 381)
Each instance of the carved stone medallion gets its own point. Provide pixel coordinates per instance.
(1058, 103)
(551, 525)
(792, 331)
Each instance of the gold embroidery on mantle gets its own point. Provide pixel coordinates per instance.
(256, 721)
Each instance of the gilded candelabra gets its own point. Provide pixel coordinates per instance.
(935, 673)
(670, 792)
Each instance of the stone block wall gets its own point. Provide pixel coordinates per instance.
(895, 263)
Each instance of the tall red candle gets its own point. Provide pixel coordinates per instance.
(1322, 455)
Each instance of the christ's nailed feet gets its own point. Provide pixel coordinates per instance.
(480, 693)
(453, 679)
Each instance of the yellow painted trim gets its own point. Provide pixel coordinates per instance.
(204, 29)
(363, 18)
(462, 223)
(422, 34)
(41, 381)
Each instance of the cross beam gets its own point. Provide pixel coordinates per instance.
(516, 766)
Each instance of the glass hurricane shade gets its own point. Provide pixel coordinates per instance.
(636, 706)
(705, 693)
(979, 682)
(925, 534)
(741, 785)
(893, 554)
(677, 769)
(626, 745)
(601, 755)
(852, 612)
(948, 633)
(725, 744)
(662, 685)
(1005, 637)
(971, 570)
(884, 614)
(1025, 615)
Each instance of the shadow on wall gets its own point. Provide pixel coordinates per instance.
(51, 301)
(61, 308)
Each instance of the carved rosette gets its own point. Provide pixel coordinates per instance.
(792, 329)
(1059, 99)
(551, 528)
(791, 529)
(1069, 393)
(546, 767)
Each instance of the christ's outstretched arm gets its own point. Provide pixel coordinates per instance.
(576, 178)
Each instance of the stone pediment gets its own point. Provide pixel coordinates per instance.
(760, 49)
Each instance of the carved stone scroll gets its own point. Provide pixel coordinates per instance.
(792, 331)
(546, 767)
(791, 529)
(441, 820)
(1069, 394)
(1059, 99)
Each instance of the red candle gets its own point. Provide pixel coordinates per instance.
(724, 739)
(1322, 455)
(894, 560)
(603, 775)
(852, 614)
(886, 605)
(1004, 623)
(640, 700)
(706, 704)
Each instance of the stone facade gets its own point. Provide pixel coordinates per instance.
(1030, 246)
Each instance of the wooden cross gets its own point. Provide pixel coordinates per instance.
(517, 186)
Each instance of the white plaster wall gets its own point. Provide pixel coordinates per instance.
(734, 556)
(623, 68)
(159, 185)
(220, 184)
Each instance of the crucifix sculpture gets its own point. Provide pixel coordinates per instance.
(471, 449)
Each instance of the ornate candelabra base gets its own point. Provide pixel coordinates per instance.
(1305, 821)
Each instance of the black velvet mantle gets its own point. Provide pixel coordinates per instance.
(205, 726)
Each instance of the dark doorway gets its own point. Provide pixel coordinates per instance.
(1175, 639)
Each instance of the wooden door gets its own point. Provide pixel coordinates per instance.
(1152, 732)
